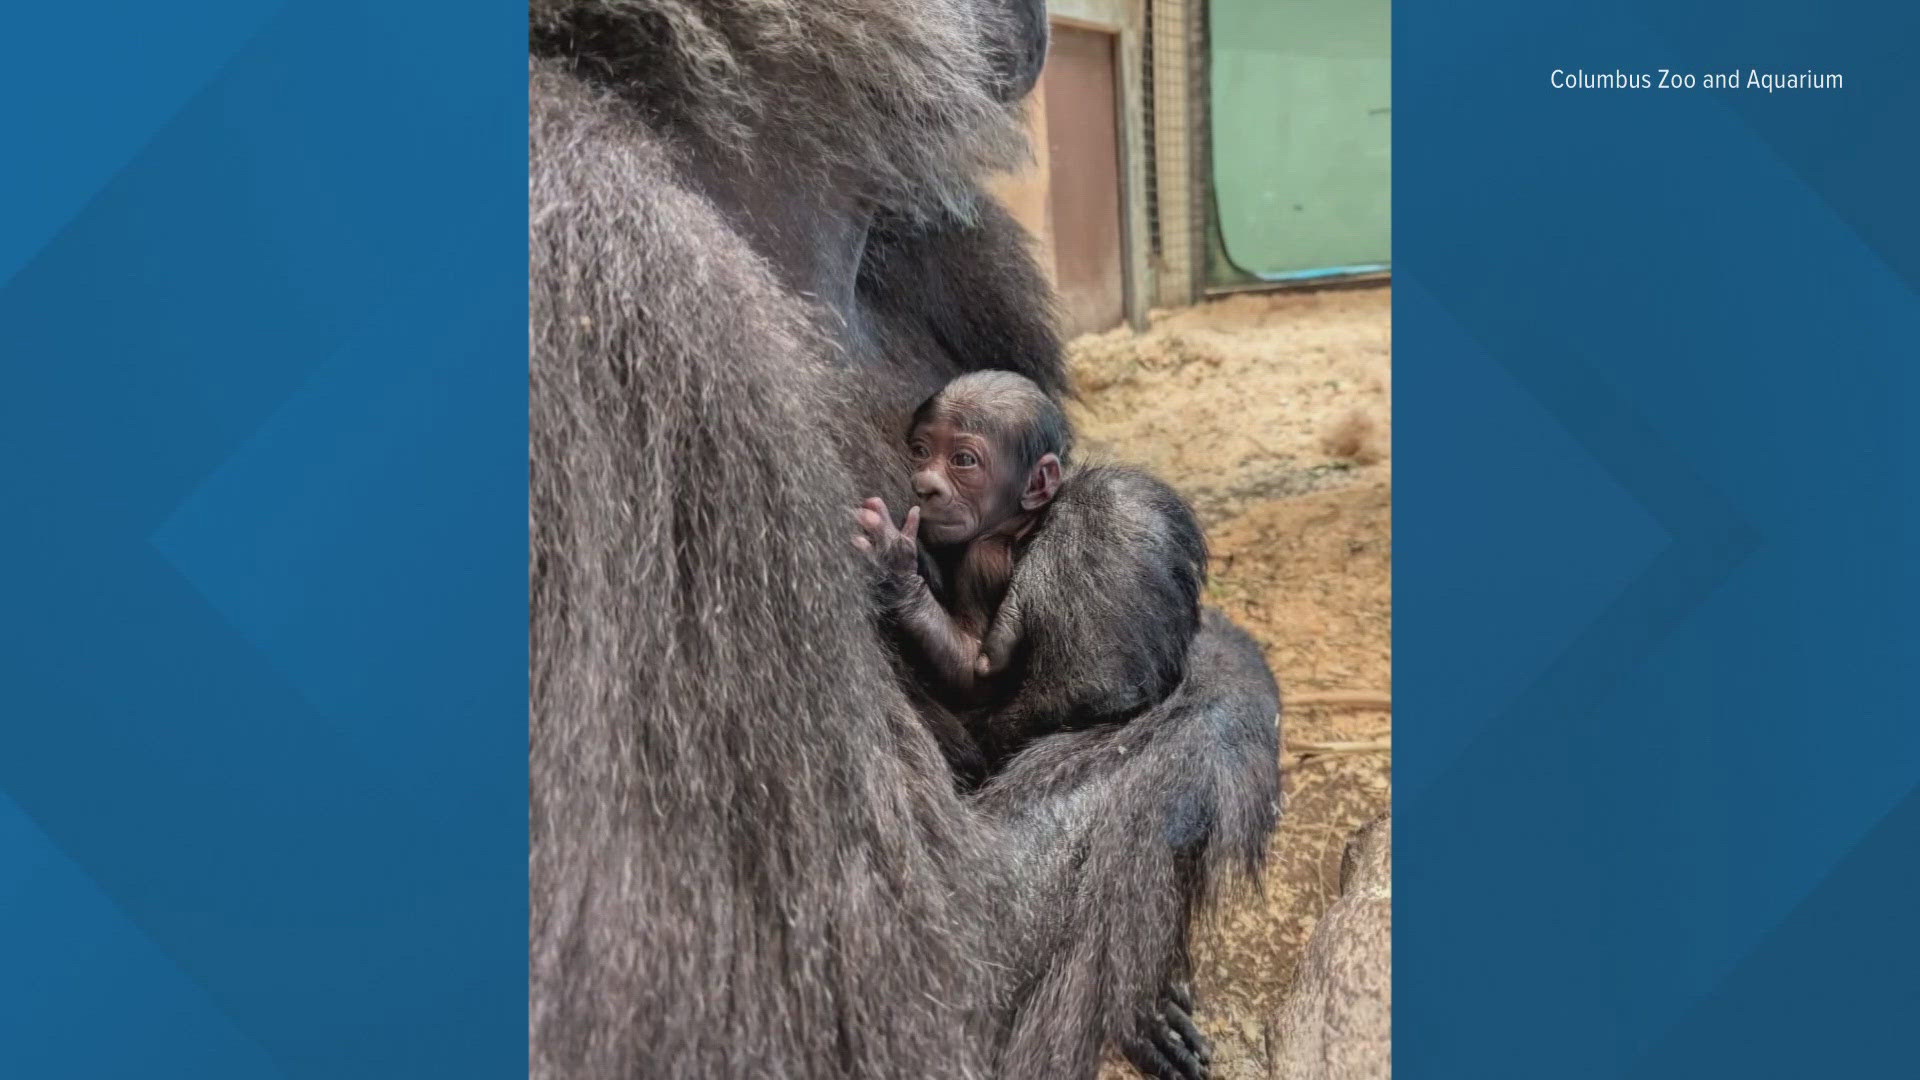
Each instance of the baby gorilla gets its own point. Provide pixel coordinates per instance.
(1029, 596)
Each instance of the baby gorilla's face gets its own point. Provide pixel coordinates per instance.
(961, 482)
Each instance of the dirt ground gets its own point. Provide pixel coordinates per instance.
(1271, 412)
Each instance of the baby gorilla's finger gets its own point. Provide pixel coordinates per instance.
(863, 543)
(912, 527)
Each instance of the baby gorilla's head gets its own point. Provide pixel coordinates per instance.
(987, 453)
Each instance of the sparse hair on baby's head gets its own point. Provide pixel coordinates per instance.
(1010, 409)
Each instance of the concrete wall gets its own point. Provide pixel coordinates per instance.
(1026, 193)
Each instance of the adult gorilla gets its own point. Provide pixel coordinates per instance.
(755, 242)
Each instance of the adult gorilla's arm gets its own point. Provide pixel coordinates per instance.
(1144, 823)
(745, 857)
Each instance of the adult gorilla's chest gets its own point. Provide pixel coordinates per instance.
(931, 301)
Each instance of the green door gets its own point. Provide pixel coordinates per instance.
(1302, 138)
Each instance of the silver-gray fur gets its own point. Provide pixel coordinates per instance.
(748, 857)
(914, 97)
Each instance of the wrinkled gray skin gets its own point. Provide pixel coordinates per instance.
(1337, 1020)
(755, 244)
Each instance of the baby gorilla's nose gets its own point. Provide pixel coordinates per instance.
(927, 486)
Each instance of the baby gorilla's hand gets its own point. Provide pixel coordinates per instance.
(895, 551)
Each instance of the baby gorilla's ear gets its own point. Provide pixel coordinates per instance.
(1043, 482)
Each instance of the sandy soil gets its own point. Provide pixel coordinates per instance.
(1271, 412)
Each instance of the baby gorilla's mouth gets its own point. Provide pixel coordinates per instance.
(940, 524)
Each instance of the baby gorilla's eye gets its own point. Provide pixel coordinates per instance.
(918, 451)
(965, 460)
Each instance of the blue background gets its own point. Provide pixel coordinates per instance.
(262, 762)
(263, 750)
(1656, 604)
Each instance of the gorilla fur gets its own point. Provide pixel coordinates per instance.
(916, 97)
(1106, 597)
(748, 856)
